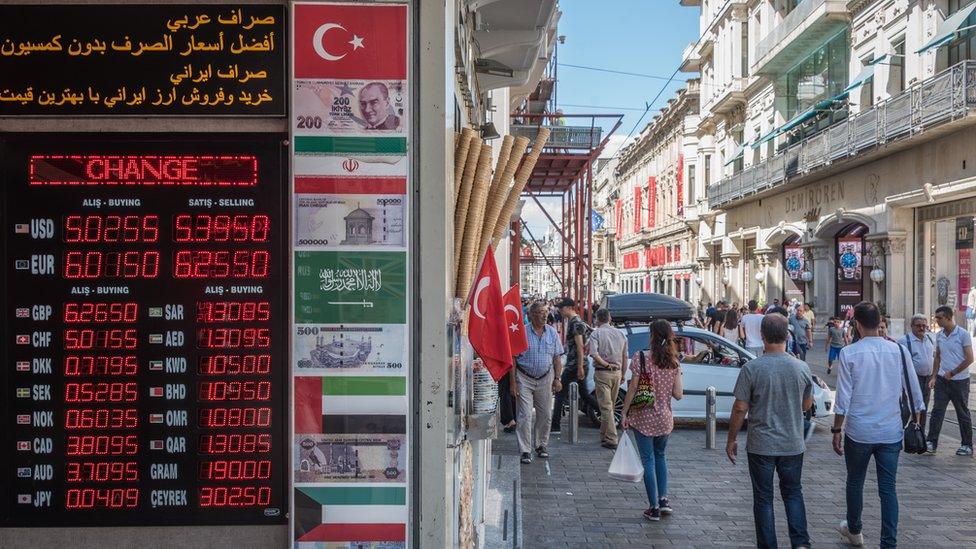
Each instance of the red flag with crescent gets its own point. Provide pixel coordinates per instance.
(487, 324)
(517, 338)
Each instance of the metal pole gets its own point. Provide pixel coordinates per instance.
(710, 418)
(573, 412)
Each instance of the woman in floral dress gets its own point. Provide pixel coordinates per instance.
(655, 372)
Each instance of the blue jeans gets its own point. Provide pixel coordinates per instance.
(651, 451)
(857, 455)
(790, 471)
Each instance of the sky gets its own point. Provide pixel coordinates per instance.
(637, 36)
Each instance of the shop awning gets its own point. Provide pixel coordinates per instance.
(867, 73)
(739, 153)
(948, 29)
(812, 112)
(762, 140)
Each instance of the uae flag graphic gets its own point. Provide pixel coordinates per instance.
(351, 405)
(346, 514)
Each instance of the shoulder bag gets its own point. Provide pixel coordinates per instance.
(914, 437)
(644, 397)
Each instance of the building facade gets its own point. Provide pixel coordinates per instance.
(605, 193)
(656, 242)
(836, 138)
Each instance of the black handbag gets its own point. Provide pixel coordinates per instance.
(914, 437)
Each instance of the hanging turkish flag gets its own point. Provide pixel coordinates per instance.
(517, 337)
(487, 325)
(353, 41)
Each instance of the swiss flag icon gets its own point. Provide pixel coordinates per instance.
(350, 41)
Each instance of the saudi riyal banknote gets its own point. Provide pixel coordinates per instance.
(349, 107)
(362, 349)
(329, 220)
(351, 458)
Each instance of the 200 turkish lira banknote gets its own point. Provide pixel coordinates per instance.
(351, 458)
(349, 107)
(331, 220)
(364, 349)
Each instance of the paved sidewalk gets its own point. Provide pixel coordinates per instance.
(568, 500)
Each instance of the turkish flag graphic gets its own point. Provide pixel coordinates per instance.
(350, 41)
(517, 338)
(487, 325)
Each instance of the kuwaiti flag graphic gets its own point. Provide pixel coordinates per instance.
(354, 41)
(351, 405)
(350, 514)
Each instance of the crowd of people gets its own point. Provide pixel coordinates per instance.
(881, 383)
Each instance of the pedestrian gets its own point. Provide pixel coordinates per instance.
(921, 347)
(507, 406)
(774, 390)
(577, 332)
(537, 376)
(656, 378)
(730, 326)
(950, 379)
(868, 422)
(836, 340)
(751, 330)
(809, 314)
(719, 319)
(709, 316)
(853, 336)
(802, 333)
(608, 347)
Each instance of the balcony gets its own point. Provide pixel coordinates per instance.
(915, 113)
(801, 32)
(690, 59)
(724, 99)
(563, 137)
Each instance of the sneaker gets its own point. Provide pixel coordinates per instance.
(526, 457)
(930, 448)
(609, 445)
(857, 540)
(653, 514)
(542, 452)
(665, 506)
(965, 451)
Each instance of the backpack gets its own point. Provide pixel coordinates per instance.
(644, 396)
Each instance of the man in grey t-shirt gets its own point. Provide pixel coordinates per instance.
(774, 390)
(802, 333)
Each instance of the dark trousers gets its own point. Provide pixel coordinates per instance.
(801, 350)
(790, 470)
(957, 392)
(506, 402)
(857, 455)
(923, 383)
(569, 376)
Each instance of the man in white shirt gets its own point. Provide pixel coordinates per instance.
(950, 379)
(921, 345)
(750, 329)
(870, 382)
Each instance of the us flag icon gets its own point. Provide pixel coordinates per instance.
(155, 391)
(21, 228)
(23, 419)
(155, 445)
(155, 418)
(23, 366)
(23, 312)
(23, 498)
(23, 339)
(23, 445)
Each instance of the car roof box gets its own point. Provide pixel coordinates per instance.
(645, 307)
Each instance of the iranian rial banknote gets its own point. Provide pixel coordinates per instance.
(330, 220)
(351, 458)
(349, 107)
(378, 349)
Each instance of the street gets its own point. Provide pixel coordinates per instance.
(569, 501)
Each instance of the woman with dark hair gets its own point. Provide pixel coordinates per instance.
(730, 328)
(647, 410)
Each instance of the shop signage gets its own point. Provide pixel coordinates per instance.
(818, 195)
(133, 59)
(964, 233)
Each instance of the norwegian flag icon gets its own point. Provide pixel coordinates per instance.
(155, 391)
(23, 419)
(155, 445)
(155, 418)
(23, 312)
(23, 339)
(23, 366)
(23, 445)
(23, 498)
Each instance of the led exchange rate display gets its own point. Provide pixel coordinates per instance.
(143, 324)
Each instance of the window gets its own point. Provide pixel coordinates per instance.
(745, 48)
(964, 45)
(691, 184)
(739, 140)
(896, 69)
(823, 74)
(867, 88)
(708, 170)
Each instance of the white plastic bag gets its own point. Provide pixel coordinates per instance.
(626, 464)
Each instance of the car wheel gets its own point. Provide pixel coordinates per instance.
(618, 406)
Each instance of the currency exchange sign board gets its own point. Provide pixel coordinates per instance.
(132, 59)
(143, 320)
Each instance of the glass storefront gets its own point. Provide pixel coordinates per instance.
(822, 75)
(944, 254)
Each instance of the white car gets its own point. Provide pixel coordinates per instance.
(718, 366)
